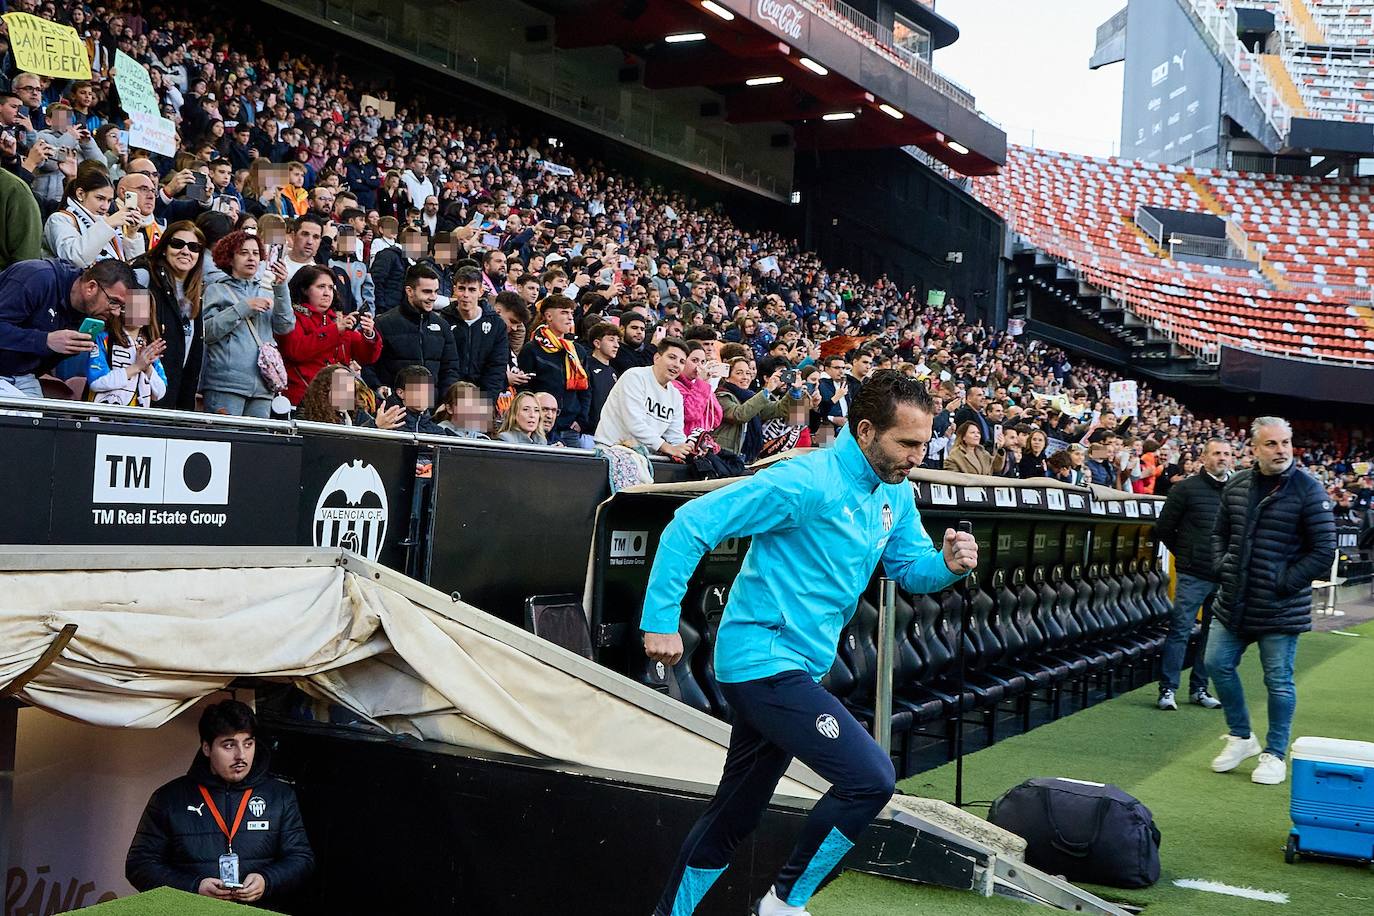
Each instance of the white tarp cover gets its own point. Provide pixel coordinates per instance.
(149, 643)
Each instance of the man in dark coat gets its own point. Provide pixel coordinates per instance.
(1185, 527)
(226, 804)
(414, 334)
(1274, 535)
(483, 345)
(554, 365)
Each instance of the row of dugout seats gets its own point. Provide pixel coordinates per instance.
(1056, 611)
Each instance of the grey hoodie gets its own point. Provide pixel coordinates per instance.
(49, 180)
(231, 353)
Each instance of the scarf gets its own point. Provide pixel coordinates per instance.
(114, 248)
(550, 342)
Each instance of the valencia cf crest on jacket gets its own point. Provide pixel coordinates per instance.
(352, 510)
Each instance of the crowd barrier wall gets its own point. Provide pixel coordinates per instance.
(490, 521)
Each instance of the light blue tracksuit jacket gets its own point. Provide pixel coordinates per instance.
(819, 524)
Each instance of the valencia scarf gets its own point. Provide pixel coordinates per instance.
(550, 342)
(78, 214)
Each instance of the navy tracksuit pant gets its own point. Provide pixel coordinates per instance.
(776, 719)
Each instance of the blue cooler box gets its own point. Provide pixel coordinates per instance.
(1333, 799)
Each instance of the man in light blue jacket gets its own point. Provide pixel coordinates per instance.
(819, 525)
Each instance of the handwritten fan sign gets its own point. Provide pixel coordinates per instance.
(135, 87)
(49, 48)
(153, 133)
(384, 107)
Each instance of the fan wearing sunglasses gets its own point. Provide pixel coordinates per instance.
(175, 280)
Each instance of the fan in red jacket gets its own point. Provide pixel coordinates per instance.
(322, 335)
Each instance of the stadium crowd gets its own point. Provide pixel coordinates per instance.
(303, 253)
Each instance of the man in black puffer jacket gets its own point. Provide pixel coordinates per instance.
(415, 334)
(1274, 535)
(186, 827)
(1185, 526)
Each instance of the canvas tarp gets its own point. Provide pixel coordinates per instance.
(150, 642)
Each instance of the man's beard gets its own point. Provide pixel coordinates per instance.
(887, 470)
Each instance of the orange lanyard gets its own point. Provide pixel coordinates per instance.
(219, 818)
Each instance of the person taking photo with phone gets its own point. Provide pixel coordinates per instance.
(50, 310)
(125, 367)
(239, 322)
(87, 229)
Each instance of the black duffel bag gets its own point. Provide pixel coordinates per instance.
(1084, 831)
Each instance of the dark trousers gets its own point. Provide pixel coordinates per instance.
(776, 719)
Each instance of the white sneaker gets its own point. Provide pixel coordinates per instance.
(1270, 771)
(1236, 750)
(1166, 699)
(770, 905)
(1205, 699)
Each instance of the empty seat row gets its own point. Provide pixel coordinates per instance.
(1055, 611)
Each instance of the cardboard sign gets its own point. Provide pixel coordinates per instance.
(1124, 399)
(384, 107)
(935, 298)
(135, 87)
(151, 132)
(767, 265)
(46, 47)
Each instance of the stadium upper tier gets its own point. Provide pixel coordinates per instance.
(1304, 289)
(1326, 48)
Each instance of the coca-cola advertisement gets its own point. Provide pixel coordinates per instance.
(786, 16)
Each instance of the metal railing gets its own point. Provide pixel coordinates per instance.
(885, 43)
(1201, 246)
(646, 126)
(1150, 224)
(1219, 30)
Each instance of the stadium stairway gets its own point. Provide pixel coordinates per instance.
(1283, 82)
(1306, 24)
(1065, 307)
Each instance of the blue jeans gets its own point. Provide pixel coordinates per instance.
(236, 405)
(1190, 594)
(1277, 651)
(20, 386)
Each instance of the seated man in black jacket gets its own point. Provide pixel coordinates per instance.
(225, 815)
(414, 334)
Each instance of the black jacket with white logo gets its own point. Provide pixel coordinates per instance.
(178, 843)
(483, 346)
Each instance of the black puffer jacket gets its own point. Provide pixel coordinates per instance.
(483, 348)
(1269, 551)
(414, 338)
(178, 843)
(1186, 522)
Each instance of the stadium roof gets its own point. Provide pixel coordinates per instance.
(840, 87)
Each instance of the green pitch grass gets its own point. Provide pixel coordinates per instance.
(1216, 827)
(166, 902)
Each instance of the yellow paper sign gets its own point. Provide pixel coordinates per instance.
(48, 48)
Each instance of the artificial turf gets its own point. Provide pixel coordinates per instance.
(167, 902)
(1217, 827)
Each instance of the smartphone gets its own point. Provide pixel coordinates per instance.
(199, 189)
(131, 200)
(91, 327)
(274, 253)
(997, 430)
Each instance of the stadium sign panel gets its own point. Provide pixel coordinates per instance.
(786, 17)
